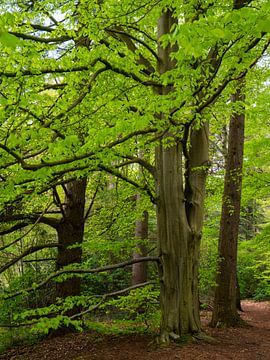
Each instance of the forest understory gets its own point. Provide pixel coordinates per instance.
(251, 342)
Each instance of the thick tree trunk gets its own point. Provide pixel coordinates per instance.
(225, 309)
(174, 238)
(179, 217)
(70, 234)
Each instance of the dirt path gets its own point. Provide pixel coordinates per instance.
(251, 343)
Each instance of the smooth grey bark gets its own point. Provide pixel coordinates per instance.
(225, 301)
(180, 197)
(139, 270)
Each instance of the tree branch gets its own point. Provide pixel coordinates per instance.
(91, 204)
(32, 218)
(232, 76)
(43, 164)
(92, 308)
(129, 74)
(45, 71)
(128, 180)
(12, 229)
(125, 34)
(81, 272)
(30, 250)
(60, 39)
(136, 160)
(112, 294)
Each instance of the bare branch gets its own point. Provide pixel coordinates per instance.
(39, 260)
(42, 27)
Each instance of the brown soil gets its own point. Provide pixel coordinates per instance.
(251, 342)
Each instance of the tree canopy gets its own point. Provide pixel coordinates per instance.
(126, 96)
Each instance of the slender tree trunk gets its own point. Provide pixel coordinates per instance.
(225, 309)
(139, 270)
(70, 234)
(179, 217)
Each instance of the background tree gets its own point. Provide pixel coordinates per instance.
(225, 302)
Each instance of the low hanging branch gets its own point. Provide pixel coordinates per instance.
(30, 250)
(81, 272)
(49, 221)
(10, 230)
(92, 308)
(112, 294)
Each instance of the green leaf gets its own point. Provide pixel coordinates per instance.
(8, 40)
(264, 25)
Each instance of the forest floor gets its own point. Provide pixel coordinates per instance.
(251, 342)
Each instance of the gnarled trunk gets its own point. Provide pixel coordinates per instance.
(179, 219)
(180, 198)
(174, 239)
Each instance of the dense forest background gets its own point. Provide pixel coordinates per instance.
(134, 157)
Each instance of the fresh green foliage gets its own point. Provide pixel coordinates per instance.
(254, 270)
(139, 304)
(81, 96)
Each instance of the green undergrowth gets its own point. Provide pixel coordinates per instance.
(142, 324)
(15, 337)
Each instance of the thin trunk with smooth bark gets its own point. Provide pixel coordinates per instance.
(139, 270)
(225, 302)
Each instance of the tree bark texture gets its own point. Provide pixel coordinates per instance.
(70, 236)
(180, 197)
(225, 309)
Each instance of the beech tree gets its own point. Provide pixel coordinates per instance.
(68, 223)
(225, 302)
(148, 71)
(139, 270)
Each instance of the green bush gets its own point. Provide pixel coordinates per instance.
(254, 266)
(140, 304)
